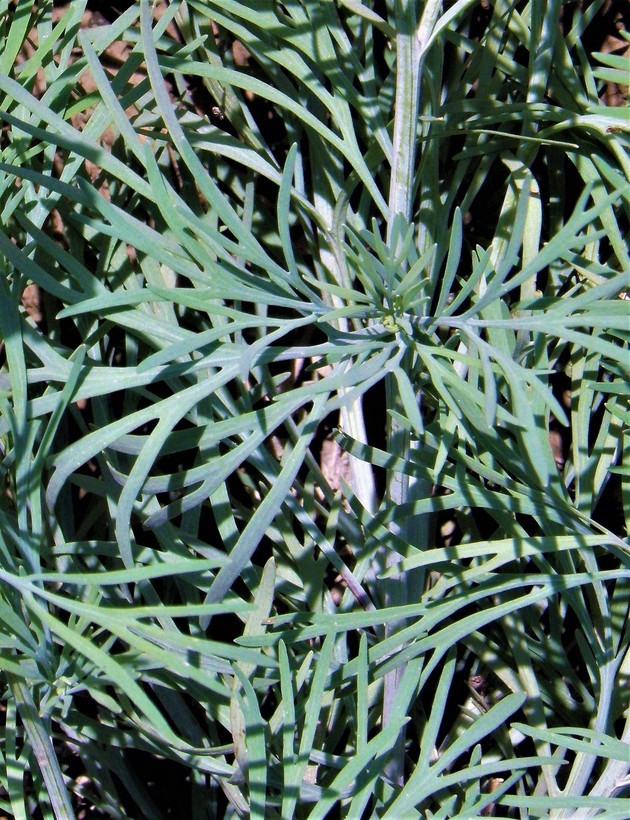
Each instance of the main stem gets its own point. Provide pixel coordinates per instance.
(411, 39)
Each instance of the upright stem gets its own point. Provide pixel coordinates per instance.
(411, 39)
(405, 114)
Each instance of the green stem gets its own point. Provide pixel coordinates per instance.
(411, 40)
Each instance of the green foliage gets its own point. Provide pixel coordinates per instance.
(418, 208)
